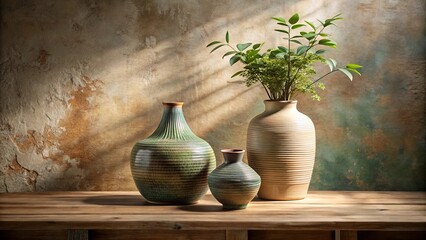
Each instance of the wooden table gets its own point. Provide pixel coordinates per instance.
(125, 215)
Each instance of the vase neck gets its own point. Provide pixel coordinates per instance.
(275, 106)
(232, 155)
(173, 124)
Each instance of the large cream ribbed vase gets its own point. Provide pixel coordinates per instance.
(281, 149)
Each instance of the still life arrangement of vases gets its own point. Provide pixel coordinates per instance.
(174, 166)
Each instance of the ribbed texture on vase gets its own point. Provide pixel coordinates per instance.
(281, 148)
(234, 184)
(171, 166)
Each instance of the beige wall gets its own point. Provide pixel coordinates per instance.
(82, 81)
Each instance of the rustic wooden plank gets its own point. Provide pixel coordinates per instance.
(212, 222)
(78, 234)
(33, 234)
(290, 235)
(155, 235)
(347, 235)
(236, 235)
(392, 235)
(325, 209)
(128, 210)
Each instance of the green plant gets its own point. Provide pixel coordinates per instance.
(287, 70)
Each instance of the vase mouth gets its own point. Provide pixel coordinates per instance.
(281, 101)
(233, 150)
(173, 103)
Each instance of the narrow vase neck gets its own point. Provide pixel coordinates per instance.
(275, 106)
(232, 155)
(173, 124)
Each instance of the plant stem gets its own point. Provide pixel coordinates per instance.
(322, 77)
(287, 86)
(231, 47)
(267, 92)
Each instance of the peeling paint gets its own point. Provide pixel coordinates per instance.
(76, 124)
(21, 174)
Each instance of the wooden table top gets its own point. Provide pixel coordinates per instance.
(321, 210)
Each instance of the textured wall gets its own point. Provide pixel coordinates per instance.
(81, 81)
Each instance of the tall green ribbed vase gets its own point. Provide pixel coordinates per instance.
(171, 166)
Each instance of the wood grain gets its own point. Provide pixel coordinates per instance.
(78, 234)
(348, 235)
(391, 235)
(33, 234)
(291, 235)
(155, 235)
(236, 235)
(404, 211)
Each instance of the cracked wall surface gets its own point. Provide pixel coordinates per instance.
(82, 81)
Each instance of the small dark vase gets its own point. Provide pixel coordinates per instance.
(171, 166)
(234, 183)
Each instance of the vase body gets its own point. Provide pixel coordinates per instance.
(234, 183)
(171, 166)
(281, 149)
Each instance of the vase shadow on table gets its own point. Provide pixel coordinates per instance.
(134, 200)
(201, 208)
(119, 200)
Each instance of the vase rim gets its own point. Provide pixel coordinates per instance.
(281, 101)
(173, 103)
(233, 150)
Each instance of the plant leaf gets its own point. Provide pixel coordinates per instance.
(237, 73)
(275, 52)
(294, 19)
(311, 25)
(328, 22)
(334, 62)
(280, 55)
(280, 30)
(243, 46)
(213, 43)
(283, 49)
(283, 24)
(354, 70)
(324, 41)
(234, 59)
(320, 51)
(296, 41)
(256, 46)
(297, 26)
(301, 50)
(337, 16)
(328, 42)
(228, 53)
(218, 46)
(323, 34)
(353, 66)
(227, 37)
(309, 36)
(330, 64)
(347, 73)
(279, 19)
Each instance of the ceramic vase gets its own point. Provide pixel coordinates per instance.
(281, 148)
(234, 183)
(171, 166)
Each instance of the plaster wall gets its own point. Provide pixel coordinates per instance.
(81, 81)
